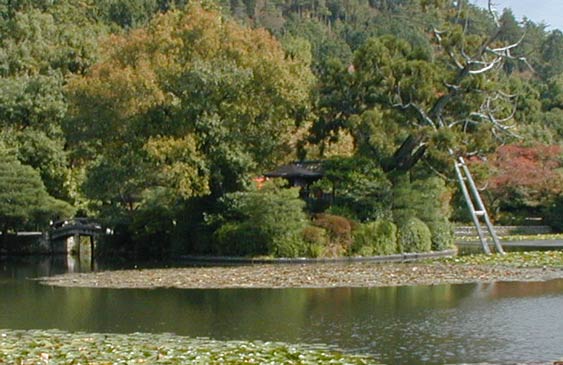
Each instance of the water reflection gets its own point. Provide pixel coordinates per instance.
(399, 325)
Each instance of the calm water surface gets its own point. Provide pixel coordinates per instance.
(501, 322)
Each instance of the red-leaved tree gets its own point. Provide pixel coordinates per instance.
(523, 180)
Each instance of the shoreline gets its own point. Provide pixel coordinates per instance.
(303, 275)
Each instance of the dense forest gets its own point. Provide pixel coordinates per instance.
(155, 117)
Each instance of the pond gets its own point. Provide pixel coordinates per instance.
(499, 322)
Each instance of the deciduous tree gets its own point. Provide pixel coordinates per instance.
(191, 105)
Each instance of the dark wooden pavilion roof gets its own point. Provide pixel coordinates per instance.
(299, 169)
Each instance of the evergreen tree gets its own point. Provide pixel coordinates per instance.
(24, 201)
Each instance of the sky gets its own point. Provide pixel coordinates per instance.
(548, 11)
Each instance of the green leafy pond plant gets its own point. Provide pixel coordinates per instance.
(520, 237)
(518, 259)
(23, 347)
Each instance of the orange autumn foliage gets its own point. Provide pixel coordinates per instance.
(530, 174)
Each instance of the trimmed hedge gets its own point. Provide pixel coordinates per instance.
(414, 236)
(442, 234)
(428, 200)
(375, 238)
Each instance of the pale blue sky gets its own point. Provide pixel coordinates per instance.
(548, 11)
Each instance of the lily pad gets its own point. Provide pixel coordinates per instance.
(64, 348)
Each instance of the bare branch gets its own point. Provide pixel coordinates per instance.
(465, 122)
(422, 116)
(494, 13)
(455, 60)
(525, 60)
(498, 124)
(501, 93)
(452, 87)
(504, 52)
(488, 67)
(438, 35)
(435, 170)
(465, 55)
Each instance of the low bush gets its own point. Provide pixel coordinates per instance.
(316, 241)
(263, 222)
(288, 245)
(414, 236)
(339, 231)
(442, 232)
(375, 238)
(553, 215)
(427, 199)
(233, 239)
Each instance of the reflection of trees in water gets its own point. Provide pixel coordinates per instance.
(394, 299)
(516, 289)
(520, 289)
(398, 324)
(25, 267)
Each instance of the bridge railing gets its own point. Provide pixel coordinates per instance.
(70, 227)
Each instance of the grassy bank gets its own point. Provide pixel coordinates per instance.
(58, 347)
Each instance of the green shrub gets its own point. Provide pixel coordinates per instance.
(362, 189)
(289, 245)
(414, 236)
(375, 238)
(554, 214)
(405, 200)
(442, 232)
(261, 222)
(342, 211)
(234, 239)
(316, 241)
(427, 199)
(339, 231)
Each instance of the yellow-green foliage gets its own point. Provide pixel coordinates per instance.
(442, 234)
(339, 231)
(414, 236)
(316, 241)
(518, 259)
(262, 222)
(375, 238)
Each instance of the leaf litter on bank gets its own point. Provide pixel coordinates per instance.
(479, 268)
(58, 347)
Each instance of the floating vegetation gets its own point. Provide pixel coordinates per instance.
(46, 347)
(520, 237)
(516, 259)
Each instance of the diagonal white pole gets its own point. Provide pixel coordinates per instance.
(482, 210)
